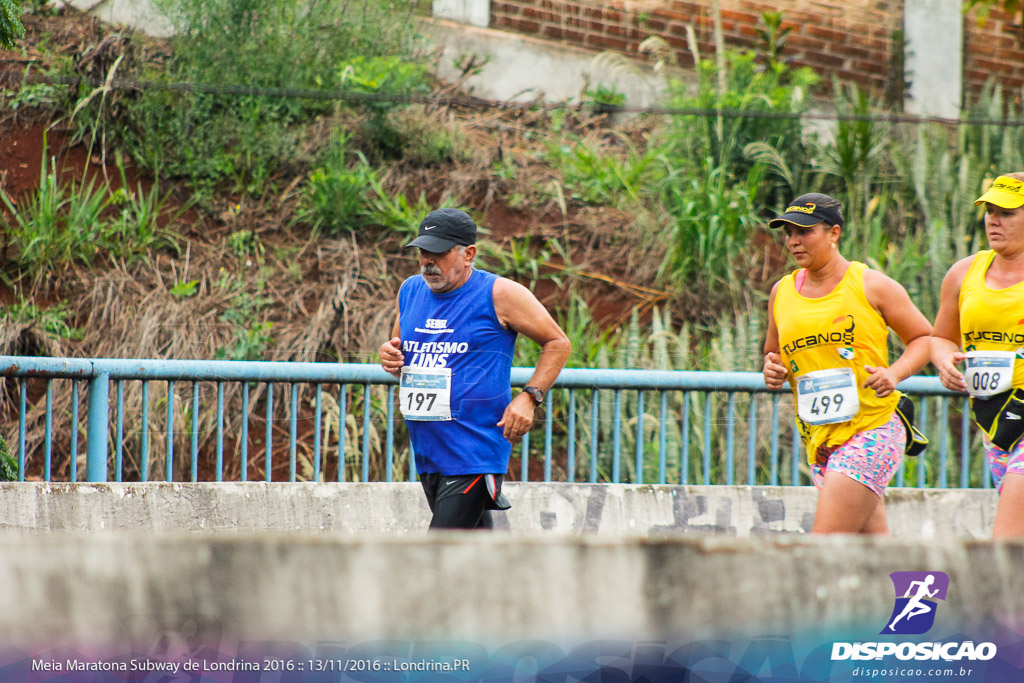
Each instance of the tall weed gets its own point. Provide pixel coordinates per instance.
(711, 216)
(76, 222)
(719, 141)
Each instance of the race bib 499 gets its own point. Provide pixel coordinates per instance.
(827, 396)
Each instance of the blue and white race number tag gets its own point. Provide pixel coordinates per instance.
(827, 396)
(425, 393)
(988, 373)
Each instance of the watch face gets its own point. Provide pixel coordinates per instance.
(536, 394)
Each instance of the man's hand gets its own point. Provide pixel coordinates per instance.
(518, 418)
(391, 358)
(774, 371)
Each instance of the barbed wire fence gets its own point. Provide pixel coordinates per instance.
(474, 102)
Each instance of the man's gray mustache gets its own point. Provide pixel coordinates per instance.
(431, 270)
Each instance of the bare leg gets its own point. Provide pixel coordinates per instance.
(1010, 513)
(877, 523)
(847, 506)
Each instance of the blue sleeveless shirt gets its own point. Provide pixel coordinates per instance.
(460, 330)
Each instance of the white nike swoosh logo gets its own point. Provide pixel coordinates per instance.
(449, 483)
(430, 227)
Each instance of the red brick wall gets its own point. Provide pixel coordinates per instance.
(851, 39)
(994, 49)
(848, 38)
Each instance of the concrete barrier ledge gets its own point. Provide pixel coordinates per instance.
(233, 507)
(484, 588)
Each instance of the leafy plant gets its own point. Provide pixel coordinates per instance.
(711, 218)
(385, 83)
(8, 463)
(856, 156)
(335, 197)
(251, 337)
(11, 28)
(182, 289)
(1011, 7)
(772, 37)
(428, 141)
(51, 320)
(34, 95)
(137, 229)
(516, 259)
(604, 99)
(394, 212)
(595, 174)
(215, 136)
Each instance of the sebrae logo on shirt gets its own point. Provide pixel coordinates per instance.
(432, 354)
(435, 326)
(842, 333)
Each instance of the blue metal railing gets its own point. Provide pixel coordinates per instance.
(592, 419)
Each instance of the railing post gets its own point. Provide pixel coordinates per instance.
(98, 419)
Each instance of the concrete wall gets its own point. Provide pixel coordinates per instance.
(477, 587)
(934, 59)
(559, 508)
(325, 567)
(522, 68)
(474, 12)
(139, 14)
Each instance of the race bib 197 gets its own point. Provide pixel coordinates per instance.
(425, 393)
(988, 373)
(827, 396)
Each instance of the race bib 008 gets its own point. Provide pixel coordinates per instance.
(988, 373)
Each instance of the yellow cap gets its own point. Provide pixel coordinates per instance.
(1005, 192)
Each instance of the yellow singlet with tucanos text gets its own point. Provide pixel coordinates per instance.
(991, 325)
(825, 343)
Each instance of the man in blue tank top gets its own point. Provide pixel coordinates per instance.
(451, 347)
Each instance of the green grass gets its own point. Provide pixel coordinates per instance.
(63, 223)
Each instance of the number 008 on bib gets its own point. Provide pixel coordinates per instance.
(988, 373)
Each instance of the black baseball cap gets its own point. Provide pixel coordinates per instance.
(806, 210)
(443, 229)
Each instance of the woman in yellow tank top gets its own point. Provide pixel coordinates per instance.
(980, 323)
(827, 336)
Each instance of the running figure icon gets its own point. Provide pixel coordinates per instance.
(916, 606)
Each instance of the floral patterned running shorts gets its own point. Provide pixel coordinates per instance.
(870, 457)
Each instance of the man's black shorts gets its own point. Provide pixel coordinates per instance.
(463, 501)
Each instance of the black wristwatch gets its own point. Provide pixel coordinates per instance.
(536, 394)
